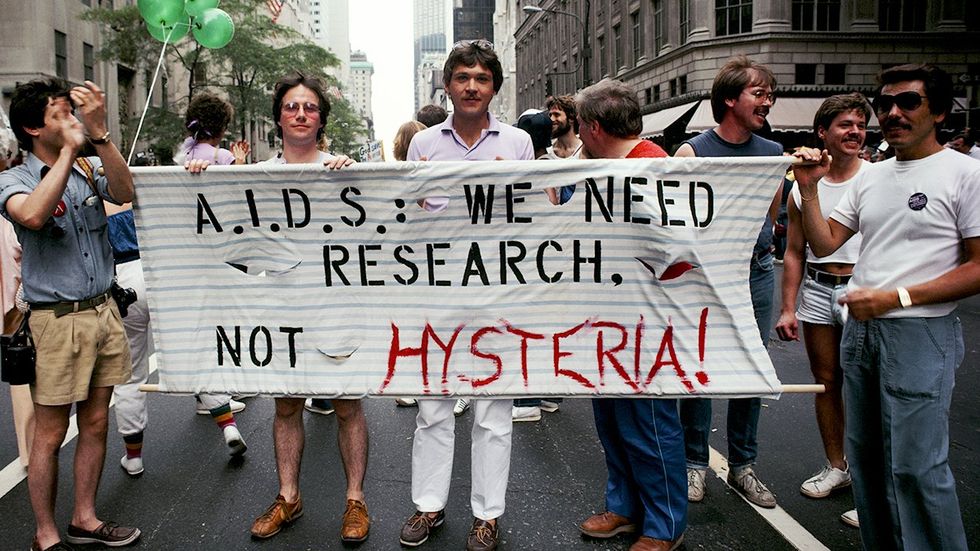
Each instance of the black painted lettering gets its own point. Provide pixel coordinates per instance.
(511, 201)
(474, 265)
(479, 202)
(334, 264)
(665, 220)
(629, 199)
(407, 263)
(511, 261)
(204, 208)
(580, 260)
(345, 197)
(268, 346)
(365, 263)
(592, 194)
(540, 262)
(291, 340)
(253, 211)
(288, 204)
(709, 200)
(430, 249)
(234, 350)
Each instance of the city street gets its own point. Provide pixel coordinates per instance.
(192, 497)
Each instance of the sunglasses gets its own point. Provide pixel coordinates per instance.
(310, 108)
(906, 101)
(479, 43)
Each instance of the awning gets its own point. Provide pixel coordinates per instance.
(787, 115)
(654, 124)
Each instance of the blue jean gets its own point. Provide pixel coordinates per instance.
(644, 450)
(898, 382)
(743, 413)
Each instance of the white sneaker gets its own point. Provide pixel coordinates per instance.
(461, 406)
(132, 465)
(525, 413)
(236, 406)
(549, 406)
(406, 402)
(825, 482)
(850, 518)
(312, 408)
(695, 485)
(234, 441)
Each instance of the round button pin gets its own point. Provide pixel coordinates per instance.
(918, 201)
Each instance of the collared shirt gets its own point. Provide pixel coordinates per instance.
(69, 259)
(442, 143)
(280, 160)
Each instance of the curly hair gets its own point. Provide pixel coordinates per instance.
(208, 116)
(566, 104)
(28, 104)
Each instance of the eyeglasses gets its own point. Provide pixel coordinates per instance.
(479, 43)
(759, 95)
(310, 108)
(906, 101)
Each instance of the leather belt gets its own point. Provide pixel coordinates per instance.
(827, 278)
(62, 308)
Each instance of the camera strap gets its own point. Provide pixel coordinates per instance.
(89, 170)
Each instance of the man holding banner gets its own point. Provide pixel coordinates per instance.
(300, 109)
(472, 76)
(919, 219)
(642, 439)
(741, 96)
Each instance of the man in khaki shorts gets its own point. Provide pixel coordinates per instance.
(55, 203)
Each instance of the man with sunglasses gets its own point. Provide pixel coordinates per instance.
(919, 218)
(55, 203)
(472, 76)
(300, 108)
(741, 96)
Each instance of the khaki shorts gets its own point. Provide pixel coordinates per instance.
(78, 351)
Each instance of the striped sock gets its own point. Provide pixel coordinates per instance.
(134, 445)
(223, 416)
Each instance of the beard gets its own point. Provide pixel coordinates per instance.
(561, 130)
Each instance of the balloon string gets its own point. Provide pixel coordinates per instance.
(149, 95)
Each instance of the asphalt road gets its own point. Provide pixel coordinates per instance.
(193, 497)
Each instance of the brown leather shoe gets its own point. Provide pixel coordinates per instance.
(280, 513)
(606, 525)
(646, 543)
(356, 524)
(483, 536)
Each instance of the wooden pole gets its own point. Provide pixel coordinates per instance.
(787, 389)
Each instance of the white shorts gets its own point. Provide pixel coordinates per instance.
(818, 303)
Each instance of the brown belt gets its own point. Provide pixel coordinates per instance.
(62, 308)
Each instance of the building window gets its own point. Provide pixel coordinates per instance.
(673, 87)
(806, 73)
(902, 15)
(658, 25)
(88, 61)
(656, 92)
(683, 84)
(637, 26)
(733, 17)
(61, 54)
(648, 95)
(834, 73)
(684, 12)
(618, 47)
(816, 15)
(603, 63)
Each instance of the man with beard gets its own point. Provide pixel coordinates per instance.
(840, 124)
(741, 96)
(919, 218)
(564, 126)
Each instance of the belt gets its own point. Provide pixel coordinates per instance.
(827, 278)
(62, 308)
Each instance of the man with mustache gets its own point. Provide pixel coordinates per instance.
(919, 218)
(564, 126)
(741, 96)
(840, 124)
(472, 76)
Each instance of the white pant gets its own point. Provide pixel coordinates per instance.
(130, 402)
(432, 455)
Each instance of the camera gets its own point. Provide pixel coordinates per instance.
(123, 297)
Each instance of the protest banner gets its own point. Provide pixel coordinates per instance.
(292, 279)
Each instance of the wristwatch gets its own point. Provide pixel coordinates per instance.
(904, 298)
(100, 141)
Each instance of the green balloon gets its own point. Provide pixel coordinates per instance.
(195, 8)
(180, 30)
(160, 13)
(214, 28)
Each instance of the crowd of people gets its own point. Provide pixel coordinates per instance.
(876, 257)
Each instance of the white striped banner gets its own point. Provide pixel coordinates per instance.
(637, 286)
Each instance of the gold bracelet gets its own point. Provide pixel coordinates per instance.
(807, 198)
(100, 141)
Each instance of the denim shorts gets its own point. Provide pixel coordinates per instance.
(818, 303)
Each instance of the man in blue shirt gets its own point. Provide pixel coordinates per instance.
(55, 203)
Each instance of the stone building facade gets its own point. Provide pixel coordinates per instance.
(670, 51)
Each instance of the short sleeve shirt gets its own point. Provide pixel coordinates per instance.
(69, 259)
